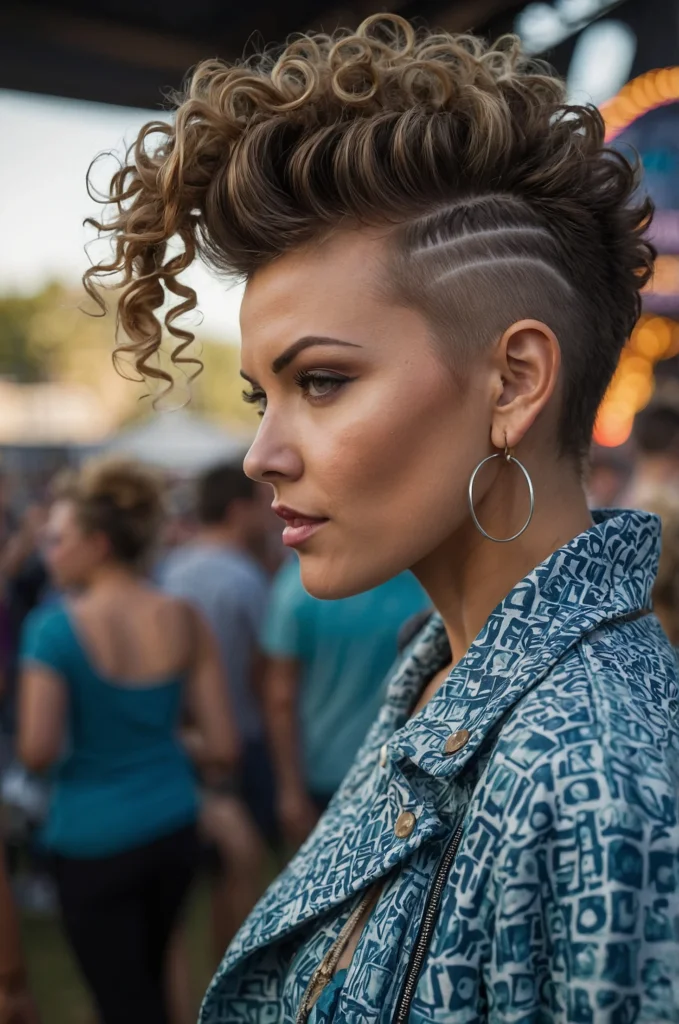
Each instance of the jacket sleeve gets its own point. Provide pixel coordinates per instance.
(586, 883)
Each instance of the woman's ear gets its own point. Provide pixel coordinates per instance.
(528, 359)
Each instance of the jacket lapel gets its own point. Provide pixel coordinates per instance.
(354, 845)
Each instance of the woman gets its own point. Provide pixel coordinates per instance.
(107, 675)
(443, 263)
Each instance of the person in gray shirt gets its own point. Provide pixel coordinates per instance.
(216, 572)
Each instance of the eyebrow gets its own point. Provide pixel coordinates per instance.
(291, 353)
(285, 358)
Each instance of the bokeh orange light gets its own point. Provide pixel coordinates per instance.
(654, 89)
(654, 338)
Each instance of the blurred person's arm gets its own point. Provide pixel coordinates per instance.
(16, 1005)
(258, 678)
(286, 632)
(211, 739)
(43, 691)
(42, 716)
(297, 813)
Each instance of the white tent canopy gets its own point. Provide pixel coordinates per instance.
(178, 441)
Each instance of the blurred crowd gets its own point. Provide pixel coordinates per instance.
(174, 702)
(646, 475)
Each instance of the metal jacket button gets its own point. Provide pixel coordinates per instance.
(405, 823)
(456, 741)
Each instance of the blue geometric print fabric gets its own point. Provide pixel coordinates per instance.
(562, 904)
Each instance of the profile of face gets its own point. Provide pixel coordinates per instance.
(368, 436)
(72, 554)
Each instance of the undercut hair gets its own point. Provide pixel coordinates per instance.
(503, 200)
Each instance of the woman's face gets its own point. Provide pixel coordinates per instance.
(72, 555)
(365, 433)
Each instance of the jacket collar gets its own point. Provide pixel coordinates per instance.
(603, 574)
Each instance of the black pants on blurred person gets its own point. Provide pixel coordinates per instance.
(119, 913)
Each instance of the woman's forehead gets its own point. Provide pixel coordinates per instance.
(347, 263)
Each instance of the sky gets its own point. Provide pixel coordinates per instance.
(47, 146)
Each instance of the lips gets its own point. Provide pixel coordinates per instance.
(299, 527)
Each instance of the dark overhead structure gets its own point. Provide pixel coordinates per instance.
(132, 52)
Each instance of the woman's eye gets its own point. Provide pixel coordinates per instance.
(256, 397)
(319, 385)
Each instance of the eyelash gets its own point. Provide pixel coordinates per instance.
(303, 378)
(253, 396)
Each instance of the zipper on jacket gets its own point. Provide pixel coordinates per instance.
(429, 919)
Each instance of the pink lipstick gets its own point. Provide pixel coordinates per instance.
(299, 527)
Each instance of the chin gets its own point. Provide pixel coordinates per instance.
(331, 579)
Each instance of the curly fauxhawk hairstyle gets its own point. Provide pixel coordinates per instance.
(503, 199)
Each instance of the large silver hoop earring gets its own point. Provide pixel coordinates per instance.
(509, 458)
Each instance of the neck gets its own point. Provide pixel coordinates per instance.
(468, 575)
(113, 576)
(222, 534)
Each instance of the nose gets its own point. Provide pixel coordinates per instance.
(271, 457)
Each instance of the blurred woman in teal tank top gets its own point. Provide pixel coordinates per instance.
(107, 677)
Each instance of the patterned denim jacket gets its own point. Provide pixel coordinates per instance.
(562, 902)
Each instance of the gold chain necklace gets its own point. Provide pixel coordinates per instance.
(326, 969)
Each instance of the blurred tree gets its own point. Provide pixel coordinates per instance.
(218, 391)
(49, 337)
(17, 361)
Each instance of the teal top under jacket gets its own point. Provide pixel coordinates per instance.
(530, 863)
